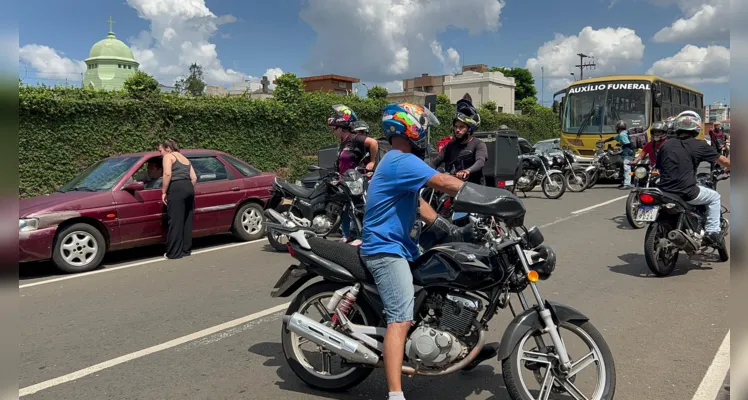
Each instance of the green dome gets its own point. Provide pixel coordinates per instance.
(110, 48)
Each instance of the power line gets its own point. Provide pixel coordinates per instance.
(582, 65)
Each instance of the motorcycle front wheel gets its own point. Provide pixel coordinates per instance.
(593, 177)
(315, 365)
(545, 370)
(632, 203)
(553, 186)
(661, 255)
(576, 180)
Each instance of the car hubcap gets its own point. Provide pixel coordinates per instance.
(79, 248)
(252, 221)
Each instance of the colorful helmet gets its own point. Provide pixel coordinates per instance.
(343, 117)
(410, 121)
(687, 124)
(360, 126)
(659, 130)
(466, 113)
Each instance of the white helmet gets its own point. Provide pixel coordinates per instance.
(691, 113)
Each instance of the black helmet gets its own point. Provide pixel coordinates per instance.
(467, 114)
(621, 125)
(360, 127)
(658, 130)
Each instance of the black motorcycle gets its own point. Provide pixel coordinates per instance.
(575, 176)
(319, 208)
(606, 164)
(459, 288)
(642, 177)
(441, 202)
(676, 225)
(537, 169)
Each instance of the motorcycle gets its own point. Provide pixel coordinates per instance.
(452, 281)
(575, 177)
(319, 208)
(606, 164)
(536, 168)
(643, 177)
(441, 202)
(677, 226)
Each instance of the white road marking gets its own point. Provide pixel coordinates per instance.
(605, 203)
(715, 375)
(142, 353)
(136, 264)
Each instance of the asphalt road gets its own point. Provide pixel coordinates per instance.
(664, 332)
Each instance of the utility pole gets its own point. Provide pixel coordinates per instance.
(582, 65)
(542, 85)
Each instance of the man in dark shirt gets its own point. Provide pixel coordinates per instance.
(465, 122)
(678, 159)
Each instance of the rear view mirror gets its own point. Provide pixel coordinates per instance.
(555, 106)
(135, 186)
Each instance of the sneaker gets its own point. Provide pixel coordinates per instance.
(626, 187)
(356, 242)
(716, 239)
(344, 240)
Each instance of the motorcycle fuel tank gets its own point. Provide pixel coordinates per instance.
(458, 265)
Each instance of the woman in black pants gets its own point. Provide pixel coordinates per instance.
(178, 193)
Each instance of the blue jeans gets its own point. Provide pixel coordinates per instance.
(395, 285)
(711, 199)
(345, 225)
(627, 169)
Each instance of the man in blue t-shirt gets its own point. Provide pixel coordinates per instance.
(627, 154)
(392, 204)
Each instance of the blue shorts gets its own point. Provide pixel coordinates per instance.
(394, 283)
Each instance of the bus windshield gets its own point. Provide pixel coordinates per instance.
(598, 106)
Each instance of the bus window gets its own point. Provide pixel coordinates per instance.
(684, 100)
(692, 101)
(657, 114)
(667, 94)
(628, 105)
(677, 97)
(667, 110)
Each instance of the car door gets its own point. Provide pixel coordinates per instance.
(141, 214)
(217, 194)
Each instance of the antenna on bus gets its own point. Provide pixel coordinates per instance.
(582, 65)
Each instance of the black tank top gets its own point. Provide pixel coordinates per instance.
(179, 171)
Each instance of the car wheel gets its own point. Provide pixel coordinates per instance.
(249, 222)
(78, 248)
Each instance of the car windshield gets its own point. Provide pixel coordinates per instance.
(547, 147)
(101, 176)
(601, 105)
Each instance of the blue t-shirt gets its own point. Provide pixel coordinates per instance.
(391, 205)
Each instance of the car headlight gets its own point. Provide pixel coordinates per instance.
(640, 172)
(356, 187)
(27, 224)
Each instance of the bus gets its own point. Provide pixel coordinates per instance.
(590, 108)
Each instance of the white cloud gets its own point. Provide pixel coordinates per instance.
(693, 65)
(181, 32)
(273, 73)
(45, 62)
(452, 59)
(703, 20)
(382, 40)
(615, 50)
(393, 86)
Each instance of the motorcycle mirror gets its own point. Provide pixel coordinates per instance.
(312, 168)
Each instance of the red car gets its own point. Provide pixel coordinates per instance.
(116, 204)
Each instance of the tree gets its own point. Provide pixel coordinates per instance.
(443, 99)
(524, 80)
(489, 105)
(288, 88)
(527, 105)
(141, 85)
(377, 92)
(193, 83)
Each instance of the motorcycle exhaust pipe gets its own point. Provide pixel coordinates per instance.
(682, 241)
(332, 340)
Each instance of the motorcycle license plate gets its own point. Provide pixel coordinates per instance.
(647, 213)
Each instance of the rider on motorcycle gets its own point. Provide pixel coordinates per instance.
(464, 124)
(659, 136)
(678, 160)
(347, 128)
(391, 208)
(717, 135)
(627, 153)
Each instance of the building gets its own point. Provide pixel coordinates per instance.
(110, 62)
(251, 88)
(482, 87)
(425, 83)
(413, 96)
(717, 112)
(329, 83)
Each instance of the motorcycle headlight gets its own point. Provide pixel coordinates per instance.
(640, 172)
(356, 187)
(28, 224)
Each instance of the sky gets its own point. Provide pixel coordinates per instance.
(384, 41)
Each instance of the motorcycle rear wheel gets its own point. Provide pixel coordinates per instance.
(322, 291)
(652, 240)
(593, 177)
(632, 202)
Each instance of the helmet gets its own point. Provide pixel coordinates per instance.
(687, 124)
(343, 117)
(360, 126)
(659, 130)
(467, 114)
(690, 113)
(621, 125)
(410, 121)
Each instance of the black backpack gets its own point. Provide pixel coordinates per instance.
(638, 138)
(384, 147)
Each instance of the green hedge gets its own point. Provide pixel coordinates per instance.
(64, 130)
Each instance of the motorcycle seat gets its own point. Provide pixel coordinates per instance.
(297, 190)
(343, 254)
(677, 199)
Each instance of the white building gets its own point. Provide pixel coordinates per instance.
(482, 88)
(717, 112)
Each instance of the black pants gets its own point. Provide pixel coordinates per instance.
(180, 207)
